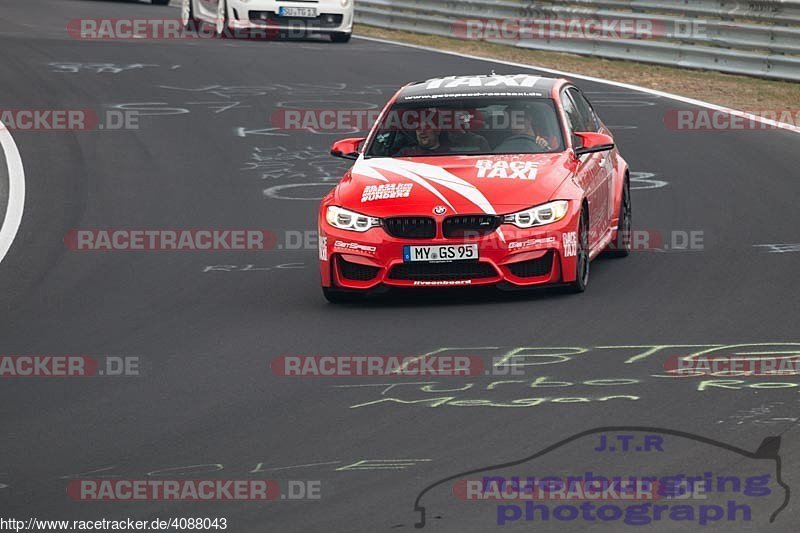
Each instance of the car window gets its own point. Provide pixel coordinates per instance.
(574, 119)
(469, 126)
(587, 116)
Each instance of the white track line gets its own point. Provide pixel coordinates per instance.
(16, 192)
(676, 97)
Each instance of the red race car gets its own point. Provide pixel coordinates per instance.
(476, 180)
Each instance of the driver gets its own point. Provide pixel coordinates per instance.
(429, 140)
(524, 137)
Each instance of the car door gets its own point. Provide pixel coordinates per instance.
(591, 172)
(606, 160)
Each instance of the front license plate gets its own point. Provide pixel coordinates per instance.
(457, 252)
(304, 12)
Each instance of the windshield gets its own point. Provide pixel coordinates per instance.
(469, 126)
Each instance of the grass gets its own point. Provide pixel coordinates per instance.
(739, 92)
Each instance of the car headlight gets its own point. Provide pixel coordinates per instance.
(342, 218)
(539, 215)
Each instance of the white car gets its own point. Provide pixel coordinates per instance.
(331, 17)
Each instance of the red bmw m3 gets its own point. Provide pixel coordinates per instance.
(507, 180)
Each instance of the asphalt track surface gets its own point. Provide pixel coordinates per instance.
(205, 339)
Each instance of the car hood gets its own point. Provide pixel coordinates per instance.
(460, 184)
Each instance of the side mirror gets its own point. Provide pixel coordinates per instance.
(593, 142)
(347, 148)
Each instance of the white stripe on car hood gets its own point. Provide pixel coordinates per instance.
(426, 175)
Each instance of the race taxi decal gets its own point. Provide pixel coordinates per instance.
(453, 82)
(386, 191)
(354, 247)
(323, 248)
(523, 170)
(570, 241)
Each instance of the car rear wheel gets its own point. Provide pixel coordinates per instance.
(340, 296)
(341, 37)
(582, 259)
(621, 246)
(187, 14)
(222, 18)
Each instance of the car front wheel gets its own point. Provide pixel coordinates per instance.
(582, 259)
(187, 13)
(341, 37)
(621, 245)
(222, 18)
(341, 296)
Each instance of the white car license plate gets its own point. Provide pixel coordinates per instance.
(304, 12)
(455, 252)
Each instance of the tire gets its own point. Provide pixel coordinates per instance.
(582, 262)
(340, 296)
(160, 2)
(341, 37)
(621, 246)
(222, 22)
(187, 15)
